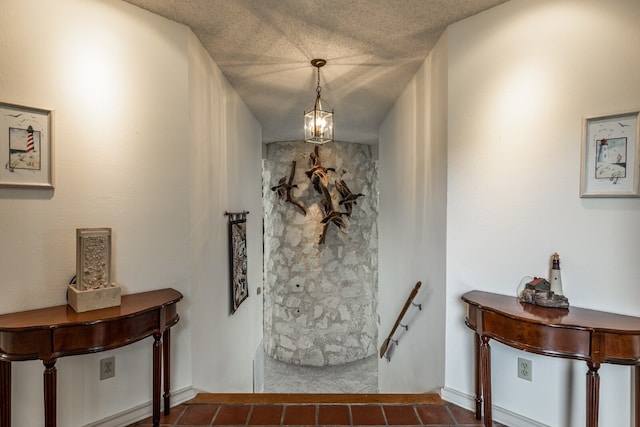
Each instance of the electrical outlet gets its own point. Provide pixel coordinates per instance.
(107, 368)
(525, 369)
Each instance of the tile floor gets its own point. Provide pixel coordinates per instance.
(348, 397)
(308, 414)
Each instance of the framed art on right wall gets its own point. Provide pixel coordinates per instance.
(610, 156)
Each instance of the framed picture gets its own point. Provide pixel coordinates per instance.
(610, 156)
(26, 146)
(238, 260)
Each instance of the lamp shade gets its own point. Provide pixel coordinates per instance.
(318, 122)
(318, 125)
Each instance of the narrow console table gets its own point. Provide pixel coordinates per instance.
(575, 333)
(50, 333)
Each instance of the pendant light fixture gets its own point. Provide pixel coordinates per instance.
(318, 122)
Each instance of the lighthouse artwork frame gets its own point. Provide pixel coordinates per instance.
(26, 146)
(610, 160)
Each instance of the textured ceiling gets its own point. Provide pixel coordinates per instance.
(264, 47)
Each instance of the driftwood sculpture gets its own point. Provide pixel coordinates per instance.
(348, 198)
(318, 173)
(320, 180)
(330, 215)
(284, 188)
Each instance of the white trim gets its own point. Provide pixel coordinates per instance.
(500, 415)
(140, 412)
(258, 369)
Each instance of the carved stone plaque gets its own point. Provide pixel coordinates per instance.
(93, 258)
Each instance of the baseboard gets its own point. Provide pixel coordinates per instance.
(143, 411)
(317, 398)
(500, 415)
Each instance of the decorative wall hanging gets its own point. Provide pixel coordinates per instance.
(318, 173)
(319, 176)
(320, 180)
(611, 156)
(331, 216)
(26, 146)
(284, 188)
(93, 288)
(238, 258)
(348, 198)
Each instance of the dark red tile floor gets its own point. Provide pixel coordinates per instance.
(199, 413)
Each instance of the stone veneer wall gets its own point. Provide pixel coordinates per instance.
(320, 300)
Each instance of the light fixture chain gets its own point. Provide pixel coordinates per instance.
(318, 88)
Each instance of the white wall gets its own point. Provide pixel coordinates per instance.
(225, 175)
(521, 78)
(412, 223)
(117, 80)
(151, 141)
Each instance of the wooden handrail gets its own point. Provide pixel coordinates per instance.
(412, 295)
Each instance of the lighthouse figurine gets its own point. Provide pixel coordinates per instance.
(556, 278)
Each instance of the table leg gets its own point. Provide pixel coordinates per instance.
(593, 390)
(157, 361)
(637, 393)
(478, 379)
(50, 387)
(5, 393)
(166, 366)
(485, 369)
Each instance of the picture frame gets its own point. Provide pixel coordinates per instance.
(26, 146)
(611, 155)
(238, 260)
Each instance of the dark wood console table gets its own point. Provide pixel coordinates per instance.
(54, 332)
(575, 333)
